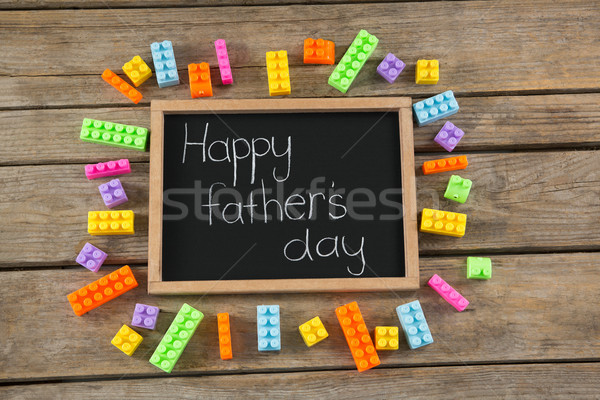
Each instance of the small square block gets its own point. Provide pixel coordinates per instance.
(435, 108)
(458, 189)
(449, 136)
(313, 331)
(479, 268)
(145, 316)
(427, 72)
(268, 328)
(91, 257)
(112, 193)
(319, 51)
(386, 337)
(414, 325)
(127, 340)
(137, 71)
(164, 63)
(390, 68)
(200, 83)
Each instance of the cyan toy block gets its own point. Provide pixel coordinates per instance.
(164, 63)
(113, 134)
(414, 325)
(268, 328)
(350, 65)
(458, 189)
(112, 193)
(449, 136)
(479, 268)
(390, 68)
(145, 316)
(91, 257)
(435, 108)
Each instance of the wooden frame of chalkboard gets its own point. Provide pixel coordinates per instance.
(396, 105)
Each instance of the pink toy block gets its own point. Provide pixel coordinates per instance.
(145, 316)
(448, 293)
(91, 257)
(223, 59)
(109, 168)
(112, 193)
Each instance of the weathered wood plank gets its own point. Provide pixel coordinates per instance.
(522, 314)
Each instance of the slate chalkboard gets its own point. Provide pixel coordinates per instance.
(257, 198)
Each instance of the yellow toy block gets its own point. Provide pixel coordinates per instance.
(118, 222)
(427, 72)
(313, 331)
(386, 337)
(279, 73)
(127, 340)
(137, 70)
(443, 222)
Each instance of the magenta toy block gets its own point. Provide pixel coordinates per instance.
(223, 59)
(91, 257)
(448, 293)
(109, 168)
(112, 193)
(390, 68)
(449, 136)
(145, 316)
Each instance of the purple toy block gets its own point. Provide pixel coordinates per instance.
(390, 68)
(223, 59)
(449, 136)
(112, 193)
(91, 257)
(145, 316)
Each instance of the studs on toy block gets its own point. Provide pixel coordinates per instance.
(223, 60)
(390, 68)
(200, 84)
(427, 72)
(479, 268)
(224, 336)
(386, 337)
(118, 222)
(445, 164)
(125, 88)
(435, 108)
(113, 134)
(449, 136)
(145, 316)
(268, 328)
(91, 257)
(313, 331)
(414, 325)
(458, 189)
(164, 63)
(127, 340)
(109, 168)
(112, 193)
(278, 73)
(319, 51)
(357, 336)
(448, 293)
(137, 71)
(443, 222)
(355, 58)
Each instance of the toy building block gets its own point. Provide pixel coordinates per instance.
(102, 290)
(125, 88)
(390, 68)
(112, 193)
(145, 316)
(445, 164)
(435, 108)
(109, 168)
(113, 134)
(200, 84)
(448, 293)
(223, 60)
(278, 72)
(118, 222)
(177, 337)
(427, 72)
(357, 336)
(458, 189)
(267, 324)
(350, 65)
(137, 71)
(127, 340)
(443, 222)
(319, 51)
(414, 325)
(91, 257)
(224, 336)
(479, 268)
(164, 64)
(449, 136)
(313, 331)
(386, 337)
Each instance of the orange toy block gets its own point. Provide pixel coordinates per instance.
(445, 164)
(104, 289)
(357, 336)
(200, 85)
(224, 336)
(125, 88)
(319, 51)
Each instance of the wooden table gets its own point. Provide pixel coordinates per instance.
(527, 80)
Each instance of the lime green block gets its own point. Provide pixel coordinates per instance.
(177, 337)
(350, 65)
(112, 134)
(479, 268)
(458, 189)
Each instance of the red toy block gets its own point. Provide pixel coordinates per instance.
(200, 85)
(357, 336)
(125, 88)
(224, 336)
(319, 51)
(445, 164)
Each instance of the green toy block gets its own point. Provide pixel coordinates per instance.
(350, 65)
(479, 268)
(177, 337)
(458, 189)
(113, 134)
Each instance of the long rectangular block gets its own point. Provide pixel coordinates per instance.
(355, 58)
(313, 331)
(117, 222)
(114, 134)
(123, 87)
(278, 73)
(448, 293)
(445, 164)
(268, 328)
(137, 71)
(145, 316)
(109, 168)
(414, 325)
(449, 136)
(357, 336)
(458, 189)
(223, 60)
(164, 63)
(435, 108)
(200, 84)
(177, 337)
(102, 290)
(113, 193)
(319, 51)
(479, 268)
(127, 340)
(224, 336)
(443, 222)
(91, 257)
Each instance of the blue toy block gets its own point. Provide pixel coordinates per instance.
(435, 108)
(267, 324)
(164, 63)
(414, 324)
